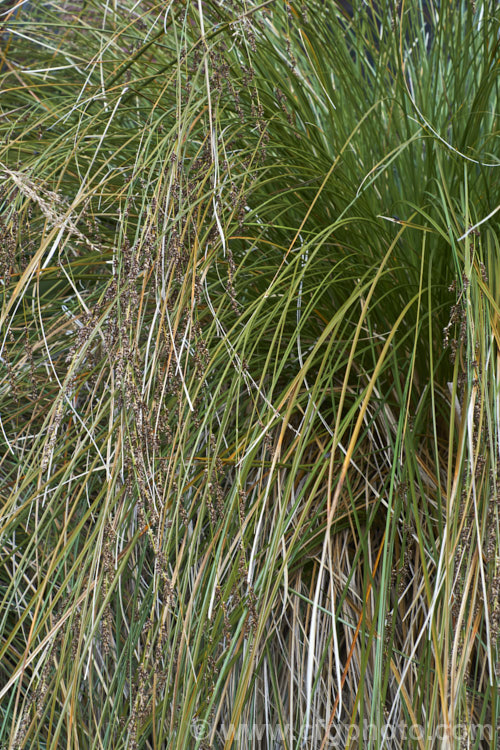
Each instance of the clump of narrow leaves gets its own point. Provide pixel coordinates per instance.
(249, 375)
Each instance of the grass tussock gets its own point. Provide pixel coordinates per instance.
(249, 375)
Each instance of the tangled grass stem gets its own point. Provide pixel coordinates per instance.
(249, 375)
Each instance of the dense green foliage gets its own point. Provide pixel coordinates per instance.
(249, 376)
